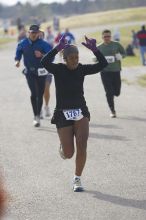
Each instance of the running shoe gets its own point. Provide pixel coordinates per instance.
(77, 186)
(61, 152)
(113, 114)
(47, 111)
(41, 115)
(36, 121)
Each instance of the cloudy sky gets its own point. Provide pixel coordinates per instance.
(12, 2)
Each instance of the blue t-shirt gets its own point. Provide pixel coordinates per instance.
(27, 48)
(69, 37)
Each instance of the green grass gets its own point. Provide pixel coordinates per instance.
(107, 17)
(101, 18)
(126, 81)
(4, 41)
(126, 39)
(104, 18)
(125, 32)
(141, 80)
(131, 61)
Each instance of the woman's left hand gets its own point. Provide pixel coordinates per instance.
(90, 44)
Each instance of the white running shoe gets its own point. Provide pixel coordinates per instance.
(36, 121)
(47, 111)
(113, 114)
(61, 152)
(77, 186)
(41, 115)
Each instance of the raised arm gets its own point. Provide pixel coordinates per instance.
(102, 62)
(46, 61)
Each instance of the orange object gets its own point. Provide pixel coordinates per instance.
(3, 199)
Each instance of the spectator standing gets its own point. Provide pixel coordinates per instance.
(141, 36)
(116, 35)
(49, 36)
(134, 39)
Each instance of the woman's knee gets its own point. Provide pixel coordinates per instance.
(68, 153)
(68, 156)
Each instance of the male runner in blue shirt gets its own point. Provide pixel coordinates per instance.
(32, 49)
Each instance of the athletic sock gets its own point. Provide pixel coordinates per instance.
(76, 177)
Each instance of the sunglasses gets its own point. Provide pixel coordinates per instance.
(108, 36)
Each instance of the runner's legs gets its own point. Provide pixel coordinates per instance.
(81, 130)
(66, 136)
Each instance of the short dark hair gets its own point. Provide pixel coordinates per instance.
(69, 49)
(106, 31)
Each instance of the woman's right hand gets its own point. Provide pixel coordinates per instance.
(62, 43)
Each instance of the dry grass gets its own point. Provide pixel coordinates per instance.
(142, 80)
(107, 17)
(126, 38)
(6, 40)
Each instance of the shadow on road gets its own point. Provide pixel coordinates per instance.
(132, 118)
(139, 204)
(105, 136)
(92, 125)
(43, 128)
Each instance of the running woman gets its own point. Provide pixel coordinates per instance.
(71, 114)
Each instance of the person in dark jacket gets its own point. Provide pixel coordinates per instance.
(32, 49)
(141, 36)
(71, 114)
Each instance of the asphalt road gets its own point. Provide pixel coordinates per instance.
(39, 181)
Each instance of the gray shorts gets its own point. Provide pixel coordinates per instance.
(49, 78)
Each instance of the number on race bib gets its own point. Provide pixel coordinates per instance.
(73, 114)
(42, 72)
(110, 59)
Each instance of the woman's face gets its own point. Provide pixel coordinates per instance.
(72, 61)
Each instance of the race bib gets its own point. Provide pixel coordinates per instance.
(42, 72)
(73, 114)
(110, 59)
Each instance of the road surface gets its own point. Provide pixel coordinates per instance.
(39, 181)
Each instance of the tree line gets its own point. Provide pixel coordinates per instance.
(45, 12)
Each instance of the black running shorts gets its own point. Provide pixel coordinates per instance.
(60, 120)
